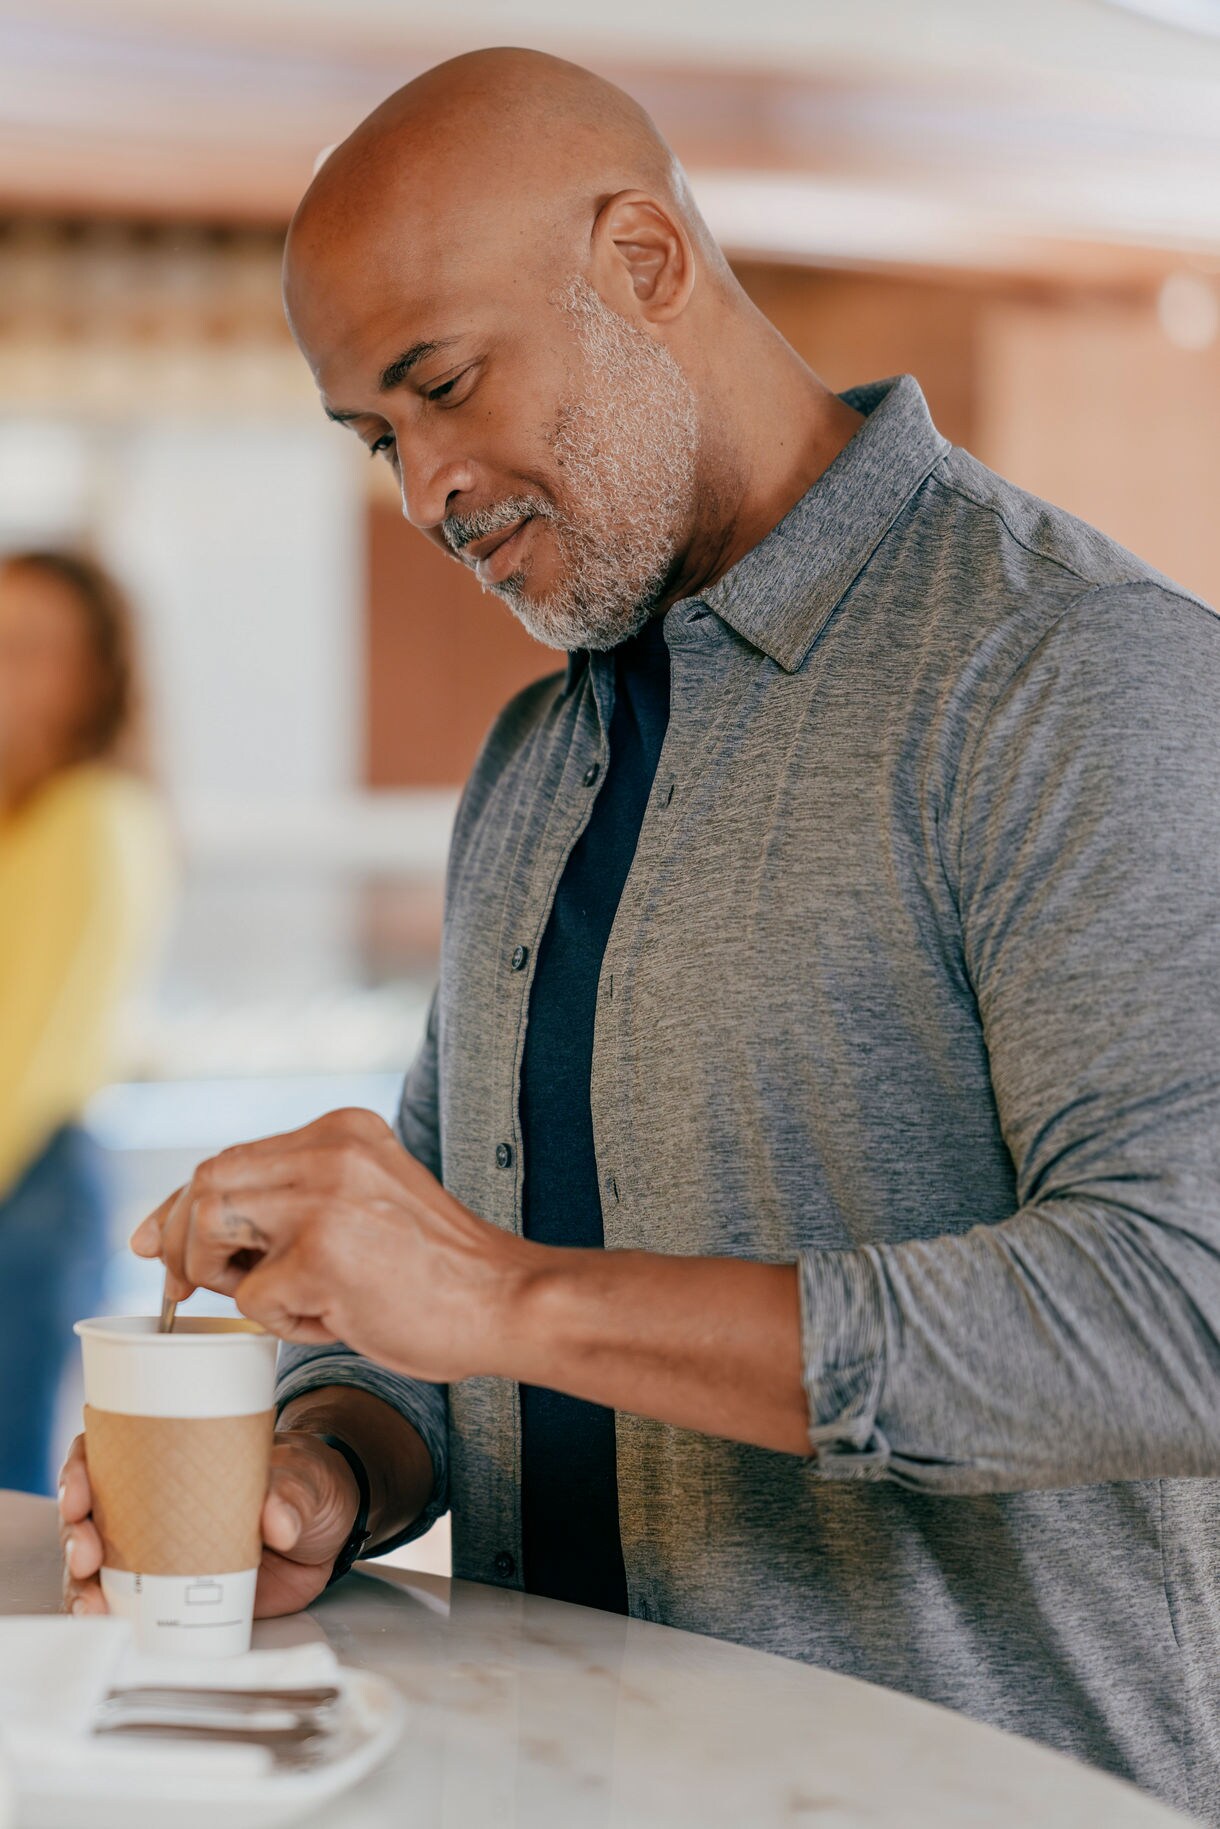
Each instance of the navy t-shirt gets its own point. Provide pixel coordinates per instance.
(569, 1493)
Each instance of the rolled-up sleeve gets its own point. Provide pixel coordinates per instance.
(423, 1405)
(1078, 1340)
(843, 1356)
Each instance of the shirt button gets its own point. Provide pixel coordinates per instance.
(504, 1155)
(504, 1565)
(520, 955)
(592, 772)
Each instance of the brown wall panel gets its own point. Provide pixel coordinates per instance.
(1092, 407)
(855, 327)
(442, 658)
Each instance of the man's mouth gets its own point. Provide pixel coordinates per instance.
(498, 553)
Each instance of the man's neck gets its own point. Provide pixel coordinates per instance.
(779, 433)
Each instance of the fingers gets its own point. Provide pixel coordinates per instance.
(230, 1232)
(83, 1551)
(75, 1499)
(189, 1229)
(148, 1240)
(82, 1547)
(78, 1536)
(252, 1199)
(175, 1230)
(84, 1598)
(270, 1161)
(288, 1299)
(177, 1289)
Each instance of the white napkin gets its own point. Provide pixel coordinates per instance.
(293, 1667)
(55, 1671)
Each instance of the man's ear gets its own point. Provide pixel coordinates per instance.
(642, 256)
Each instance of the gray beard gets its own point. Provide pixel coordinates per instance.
(627, 447)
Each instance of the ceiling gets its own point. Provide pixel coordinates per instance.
(1043, 135)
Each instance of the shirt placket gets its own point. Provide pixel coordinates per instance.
(703, 678)
(526, 911)
(528, 897)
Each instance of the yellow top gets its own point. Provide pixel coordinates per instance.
(85, 875)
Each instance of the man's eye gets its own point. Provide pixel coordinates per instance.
(381, 444)
(446, 387)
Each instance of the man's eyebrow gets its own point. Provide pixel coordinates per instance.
(396, 372)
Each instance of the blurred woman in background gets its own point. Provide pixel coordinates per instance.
(84, 882)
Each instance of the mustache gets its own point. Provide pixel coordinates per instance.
(458, 530)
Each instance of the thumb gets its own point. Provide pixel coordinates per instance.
(145, 1241)
(282, 1522)
(311, 1501)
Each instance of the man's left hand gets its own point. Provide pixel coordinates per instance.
(333, 1233)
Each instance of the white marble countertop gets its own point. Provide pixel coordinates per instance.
(527, 1714)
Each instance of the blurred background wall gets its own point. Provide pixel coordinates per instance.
(1020, 203)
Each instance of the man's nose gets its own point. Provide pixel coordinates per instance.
(429, 484)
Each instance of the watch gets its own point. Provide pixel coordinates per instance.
(359, 1534)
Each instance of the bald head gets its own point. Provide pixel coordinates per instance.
(505, 141)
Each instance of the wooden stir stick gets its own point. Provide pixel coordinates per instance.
(168, 1309)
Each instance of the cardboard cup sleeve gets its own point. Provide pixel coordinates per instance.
(178, 1495)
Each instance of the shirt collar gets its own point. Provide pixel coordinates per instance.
(781, 594)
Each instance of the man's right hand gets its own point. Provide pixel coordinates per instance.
(308, 1514)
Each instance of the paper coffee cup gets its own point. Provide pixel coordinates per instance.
(178, 1432)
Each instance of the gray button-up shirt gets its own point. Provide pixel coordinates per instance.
(915, 981)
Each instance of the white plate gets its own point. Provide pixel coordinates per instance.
(177, 1790)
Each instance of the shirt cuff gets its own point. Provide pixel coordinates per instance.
(424, 1406)
(843, 1355)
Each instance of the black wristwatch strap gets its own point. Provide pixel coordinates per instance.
(359, 1536)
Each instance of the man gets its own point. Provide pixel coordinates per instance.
(834, 941)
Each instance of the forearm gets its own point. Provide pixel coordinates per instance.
(398, 1464)
(711, 1344)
